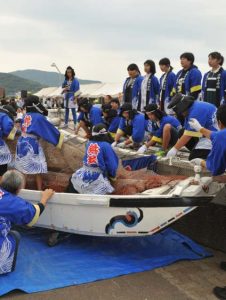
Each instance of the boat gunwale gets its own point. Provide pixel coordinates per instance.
(138, 200)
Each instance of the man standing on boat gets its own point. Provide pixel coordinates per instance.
(216, 161)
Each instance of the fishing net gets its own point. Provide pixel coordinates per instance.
(62, 163)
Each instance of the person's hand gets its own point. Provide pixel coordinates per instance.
(46, 195)
(196, 162)
(142, 149)
(195, 124)
(172, 153)
(121, 145)
(114, 144)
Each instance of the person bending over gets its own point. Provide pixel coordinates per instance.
(111, 119)
(131, 126)
(167, 132)
(205, 113)
(215, 162)
(100, 165)
(89, 116)
(30, 158)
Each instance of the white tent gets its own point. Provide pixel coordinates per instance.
(88, 90)
(45, 92)
(112, 89)
(56, 93)
(94, 90)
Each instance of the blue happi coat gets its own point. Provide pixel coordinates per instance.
(192, 81)
(158, 133)
(100, 164)
(135, 92)
(205, 113)
(92, 118)
(136, 127)
(112, 125)
(6, 130)
(13, 211)
(216, 160)
(74, 87)
(30, 158)
(168, 86)
(222, 86)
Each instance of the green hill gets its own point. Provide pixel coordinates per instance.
(13, 84)
(46, 78)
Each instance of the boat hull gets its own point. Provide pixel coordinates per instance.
(109, 216)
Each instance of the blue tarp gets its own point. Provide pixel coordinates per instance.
(82, 259)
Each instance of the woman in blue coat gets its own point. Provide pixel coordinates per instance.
(132, 86)
(70, 91)
(214, 81)
(188, 80)
(149, 86)
(167, 82)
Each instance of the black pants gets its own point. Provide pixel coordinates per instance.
(199, 153)
(174, 136)
(16, 237)
(195, 153)
(70, 188)
(3, 169)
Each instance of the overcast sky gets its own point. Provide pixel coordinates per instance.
(99, 38)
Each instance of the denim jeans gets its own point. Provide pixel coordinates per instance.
(67, 115)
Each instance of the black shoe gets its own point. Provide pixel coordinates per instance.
(219, 292)
(223, 265)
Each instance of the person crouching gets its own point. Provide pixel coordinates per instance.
(89, 115)
(131, 127)
(15, 211)
(100, 165)
(167, 130)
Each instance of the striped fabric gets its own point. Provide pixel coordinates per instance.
(5, 155)
(88, 180)
(31, 163)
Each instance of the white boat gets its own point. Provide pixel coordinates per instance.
(120, 216)
(117, 215)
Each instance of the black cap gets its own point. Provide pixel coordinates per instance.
(9, 110)
(30, 100)
(151, 107)
(106, 107)
(99, 129)
(33, 104)
(84, 102)
(180, 103)
(125, 107)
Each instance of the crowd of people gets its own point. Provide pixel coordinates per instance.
(179, 110)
